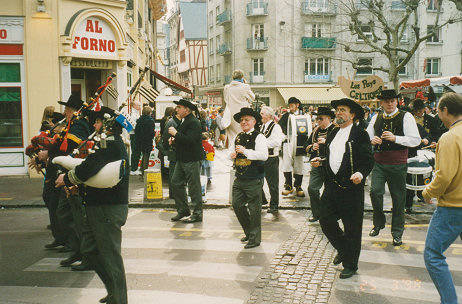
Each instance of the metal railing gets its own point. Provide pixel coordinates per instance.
(322, 9)
(317, 77)
(224, 49)
(259, 44)
(224, 17)
(318, 43)
(257, 78)
(257, 8)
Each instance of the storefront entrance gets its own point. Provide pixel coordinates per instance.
(85, 82)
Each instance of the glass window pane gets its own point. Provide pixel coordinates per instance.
(313, 67)
(10, 117)
(10, 72)
(326, 66)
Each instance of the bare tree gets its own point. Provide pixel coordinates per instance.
(382, 32)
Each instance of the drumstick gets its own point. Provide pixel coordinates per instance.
(427, 147)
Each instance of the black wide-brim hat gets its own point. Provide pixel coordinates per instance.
(388, 94)
(418, 104)
(246, 112)
(73, 102)
(93, 115)
(186, 103)
(294, 100)
(325, 111)
(354, 106)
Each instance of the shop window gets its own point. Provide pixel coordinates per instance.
(10, 72)
(10, 117)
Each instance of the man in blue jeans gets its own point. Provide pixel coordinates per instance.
(446, 223)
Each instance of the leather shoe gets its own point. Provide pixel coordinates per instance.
(397, 241)
(84, 266)
(244, 239)
(192, 219)
(271, 210)
(65, 249)
(54, 244)
(375, 231)
(251, 245)
(105, 299)
(264, 202)
(179, 216)
(347, 273)
(338, 259)
(70, 260)
(313, 219)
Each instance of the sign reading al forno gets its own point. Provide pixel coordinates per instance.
(94, 37)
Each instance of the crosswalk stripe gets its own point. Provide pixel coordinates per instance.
(58, 295)
(221, 271)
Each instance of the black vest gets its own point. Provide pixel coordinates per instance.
(393, 124)
(267, 134)
(319, 133)
(254, 169)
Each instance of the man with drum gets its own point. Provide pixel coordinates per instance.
(316, 147)
(391, 133)
(292, 159)
(446, 224)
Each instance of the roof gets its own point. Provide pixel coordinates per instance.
(194, 17)
(316, 95)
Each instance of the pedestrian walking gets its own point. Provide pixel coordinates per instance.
(145, 133)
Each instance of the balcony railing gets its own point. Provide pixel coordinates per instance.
(224, 49)
(257, 9)
(224, 17)
(227, 79)
(260, 44)
(329, 9)
(257, 77)
(317, 78)
(318, 43)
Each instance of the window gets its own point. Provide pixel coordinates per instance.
(432, 5)
(217, 12)
(182, 56)
(432, 66)
(218, 41)
(258, 31)
(318, 5)
(404, 37)
(367, 31)
(211, 19)
(218, 72)
(364, 66)
(317, 30)
(212, 73)
(435, 37)
(317, 66)
(10, 105)
(258, 67)
(129, 78)
(211, 46)
(402, 71)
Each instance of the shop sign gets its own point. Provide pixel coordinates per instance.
(11, 30)
(366, 89)
(261, 92)
(91, 64)
(94, 37)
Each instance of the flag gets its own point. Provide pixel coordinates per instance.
(112, 91)
(148, 92)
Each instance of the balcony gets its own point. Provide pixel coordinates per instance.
(258, 77)
(309, 78)
(257, 9)
(398, 5)
(329, 10)
(310, 43)
(224, 49)
(224, 17)
(227, 79)
(257, 44)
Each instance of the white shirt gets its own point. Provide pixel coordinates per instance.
(411, 136)
(276, 137)
(134, 115)
(260, 152)
(337, 148)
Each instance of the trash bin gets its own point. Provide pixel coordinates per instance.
(153, 185)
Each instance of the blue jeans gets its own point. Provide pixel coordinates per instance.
(445, 226)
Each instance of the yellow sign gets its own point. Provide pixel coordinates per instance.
(362, 90)
(153, 185)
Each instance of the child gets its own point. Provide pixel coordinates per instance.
(206, 164)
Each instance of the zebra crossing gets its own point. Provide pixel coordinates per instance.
(165, 262)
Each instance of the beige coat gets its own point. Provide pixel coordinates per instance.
(237, 95)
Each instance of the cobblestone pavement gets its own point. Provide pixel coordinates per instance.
(301, 271)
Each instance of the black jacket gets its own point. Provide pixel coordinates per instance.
(362, 157)
(169, 150)
(188, 140)
(144, 133)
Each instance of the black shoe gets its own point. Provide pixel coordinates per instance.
(54, 244)
(397, 241)
(84, 266)
(300, 192)
(338, 259)
(251, 245)
(409, 210)
(65, 249)
(70, 260)
(192, 219)
(179, 216)
(244, 239)
(105, 299)
(264, 202)
(375, 231)
(347, 273)
(271, 210)
(288, 189)
(313, 219)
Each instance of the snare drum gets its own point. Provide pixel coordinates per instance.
(419, 175)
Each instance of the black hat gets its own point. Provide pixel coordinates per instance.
(73, 102)
(186, 103)
(56, 117)
(354, 106)
(418, 104)
(388, 94)
(93, 115)
(366, 109)
(246, 111)
(294, 100)
(324, 111)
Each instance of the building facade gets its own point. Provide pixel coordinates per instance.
(50, 49)
(297, 48)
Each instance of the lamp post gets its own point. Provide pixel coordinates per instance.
(256, 104)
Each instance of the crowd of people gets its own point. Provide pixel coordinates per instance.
(345, 143)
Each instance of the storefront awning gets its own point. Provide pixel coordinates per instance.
(313, 95)
(431, 82)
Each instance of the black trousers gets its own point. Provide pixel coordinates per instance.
(51, 198)
(272, 179)
(346, 205)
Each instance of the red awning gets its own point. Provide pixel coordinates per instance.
(172, 83)
(415, 84)
(431, 82)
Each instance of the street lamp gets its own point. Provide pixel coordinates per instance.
(256, 104)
